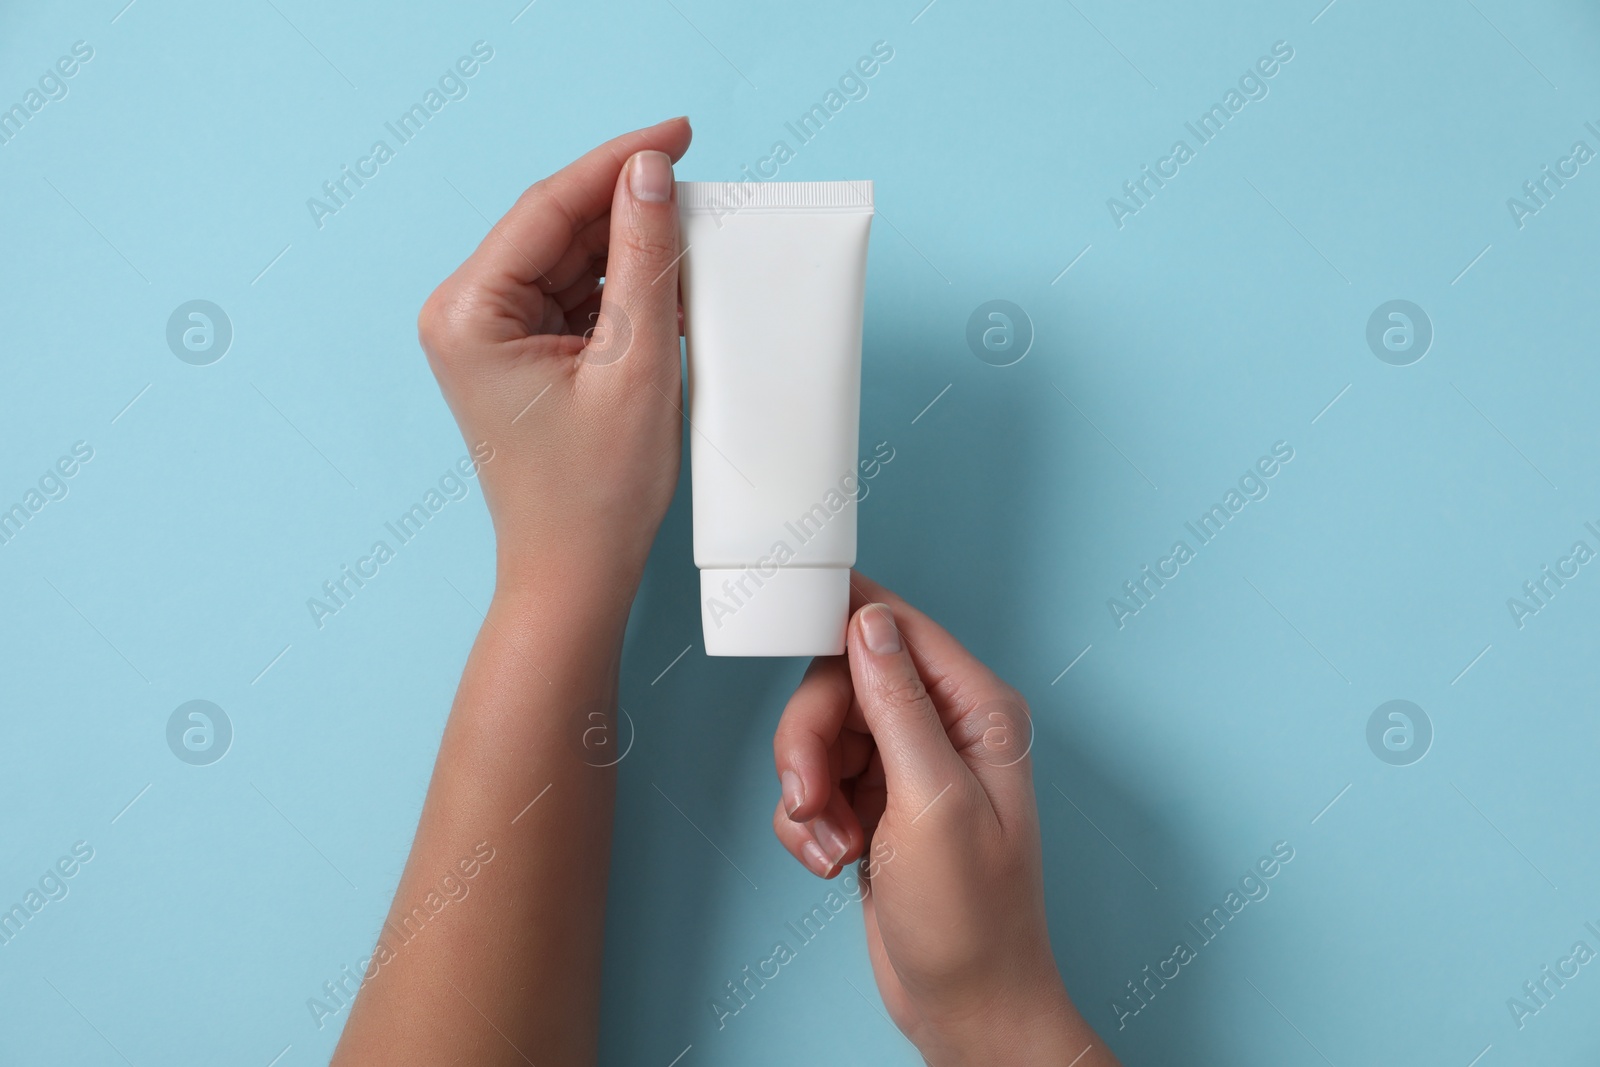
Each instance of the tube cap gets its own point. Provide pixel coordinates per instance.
(800, 611)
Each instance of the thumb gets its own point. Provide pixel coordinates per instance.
(639, 302)
(919, 761)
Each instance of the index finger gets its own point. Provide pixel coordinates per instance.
(811, 723)
(529, 241)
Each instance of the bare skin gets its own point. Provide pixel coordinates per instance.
(910, 752)
(568, 391)
(577, 486)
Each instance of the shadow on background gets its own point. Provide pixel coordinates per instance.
(944, 524)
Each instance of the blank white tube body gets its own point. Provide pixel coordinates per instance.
(774, 278)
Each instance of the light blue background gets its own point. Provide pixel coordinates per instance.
(1221, 319)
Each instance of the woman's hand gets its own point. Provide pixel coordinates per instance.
(575, 388)
(574, 384)
(910, 752)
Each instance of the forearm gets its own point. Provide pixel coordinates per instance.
(507, 970)
(1048, 1032)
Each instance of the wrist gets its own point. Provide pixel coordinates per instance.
(1040, 1027)
(561, 624)
(578, 593)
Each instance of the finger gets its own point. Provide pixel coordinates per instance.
(855, 750)
(807, 730)
(579, 261)
(869, 796)
(640, 298)
(919, 762)
(837, 833)
(580, 290)
(952, 675)
(987, 721)
(584, 316)
(530, 240)
(796, 838)
(815, 844)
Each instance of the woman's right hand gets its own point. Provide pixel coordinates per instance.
(909, 751)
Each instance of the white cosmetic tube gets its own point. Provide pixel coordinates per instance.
(774, 278)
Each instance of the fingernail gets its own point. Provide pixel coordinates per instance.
(794, 792)
(650, 177)
(815, 859)
(834, 844)
(877, 627)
